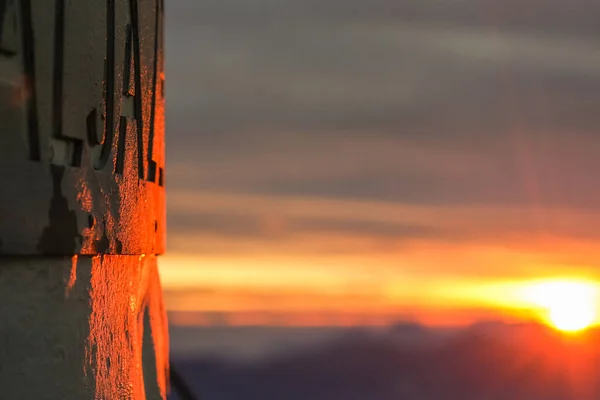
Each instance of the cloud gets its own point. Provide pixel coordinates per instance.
(266, 226)
(234, 224)
(435, 102)
(454, 121)
(403, 79)
(576, 16)
(293, 66)
(527, 168)
(233, 240)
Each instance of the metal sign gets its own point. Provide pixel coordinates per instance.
(81, 127)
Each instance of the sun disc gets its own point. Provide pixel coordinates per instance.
(569, 306)
(572, 318)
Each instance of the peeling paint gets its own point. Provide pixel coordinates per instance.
(93, 343)
(62, 234)
(123, 289)
(102, 245)
(84, 196)
(72, 277)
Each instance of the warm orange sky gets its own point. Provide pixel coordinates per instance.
(349, 161)
(322, 276)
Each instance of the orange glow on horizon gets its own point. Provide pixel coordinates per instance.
(268, 292)
(314, 276)
(500, 268)
(568, 305)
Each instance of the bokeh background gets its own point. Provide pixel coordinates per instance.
(354, 179)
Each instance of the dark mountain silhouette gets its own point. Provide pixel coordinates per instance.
(491, 361)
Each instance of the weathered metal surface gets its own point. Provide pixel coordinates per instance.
(82, 327)
(81, 127)
(82, 213)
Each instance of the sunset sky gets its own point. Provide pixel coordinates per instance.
(365, 161)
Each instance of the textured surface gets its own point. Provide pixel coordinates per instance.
(81, 127)
(82, 328)
(82, 200)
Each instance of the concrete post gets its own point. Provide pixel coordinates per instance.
(82, 214)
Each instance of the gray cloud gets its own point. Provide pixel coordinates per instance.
(397, 78)
(239, 225)
(528, 168)
(576, 16)
(437, 102)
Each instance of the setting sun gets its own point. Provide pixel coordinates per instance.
(569, 306)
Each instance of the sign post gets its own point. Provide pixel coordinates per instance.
(82, 199)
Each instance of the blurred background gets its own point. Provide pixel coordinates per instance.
(375, 199)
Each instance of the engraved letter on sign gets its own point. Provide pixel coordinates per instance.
(82, 123)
